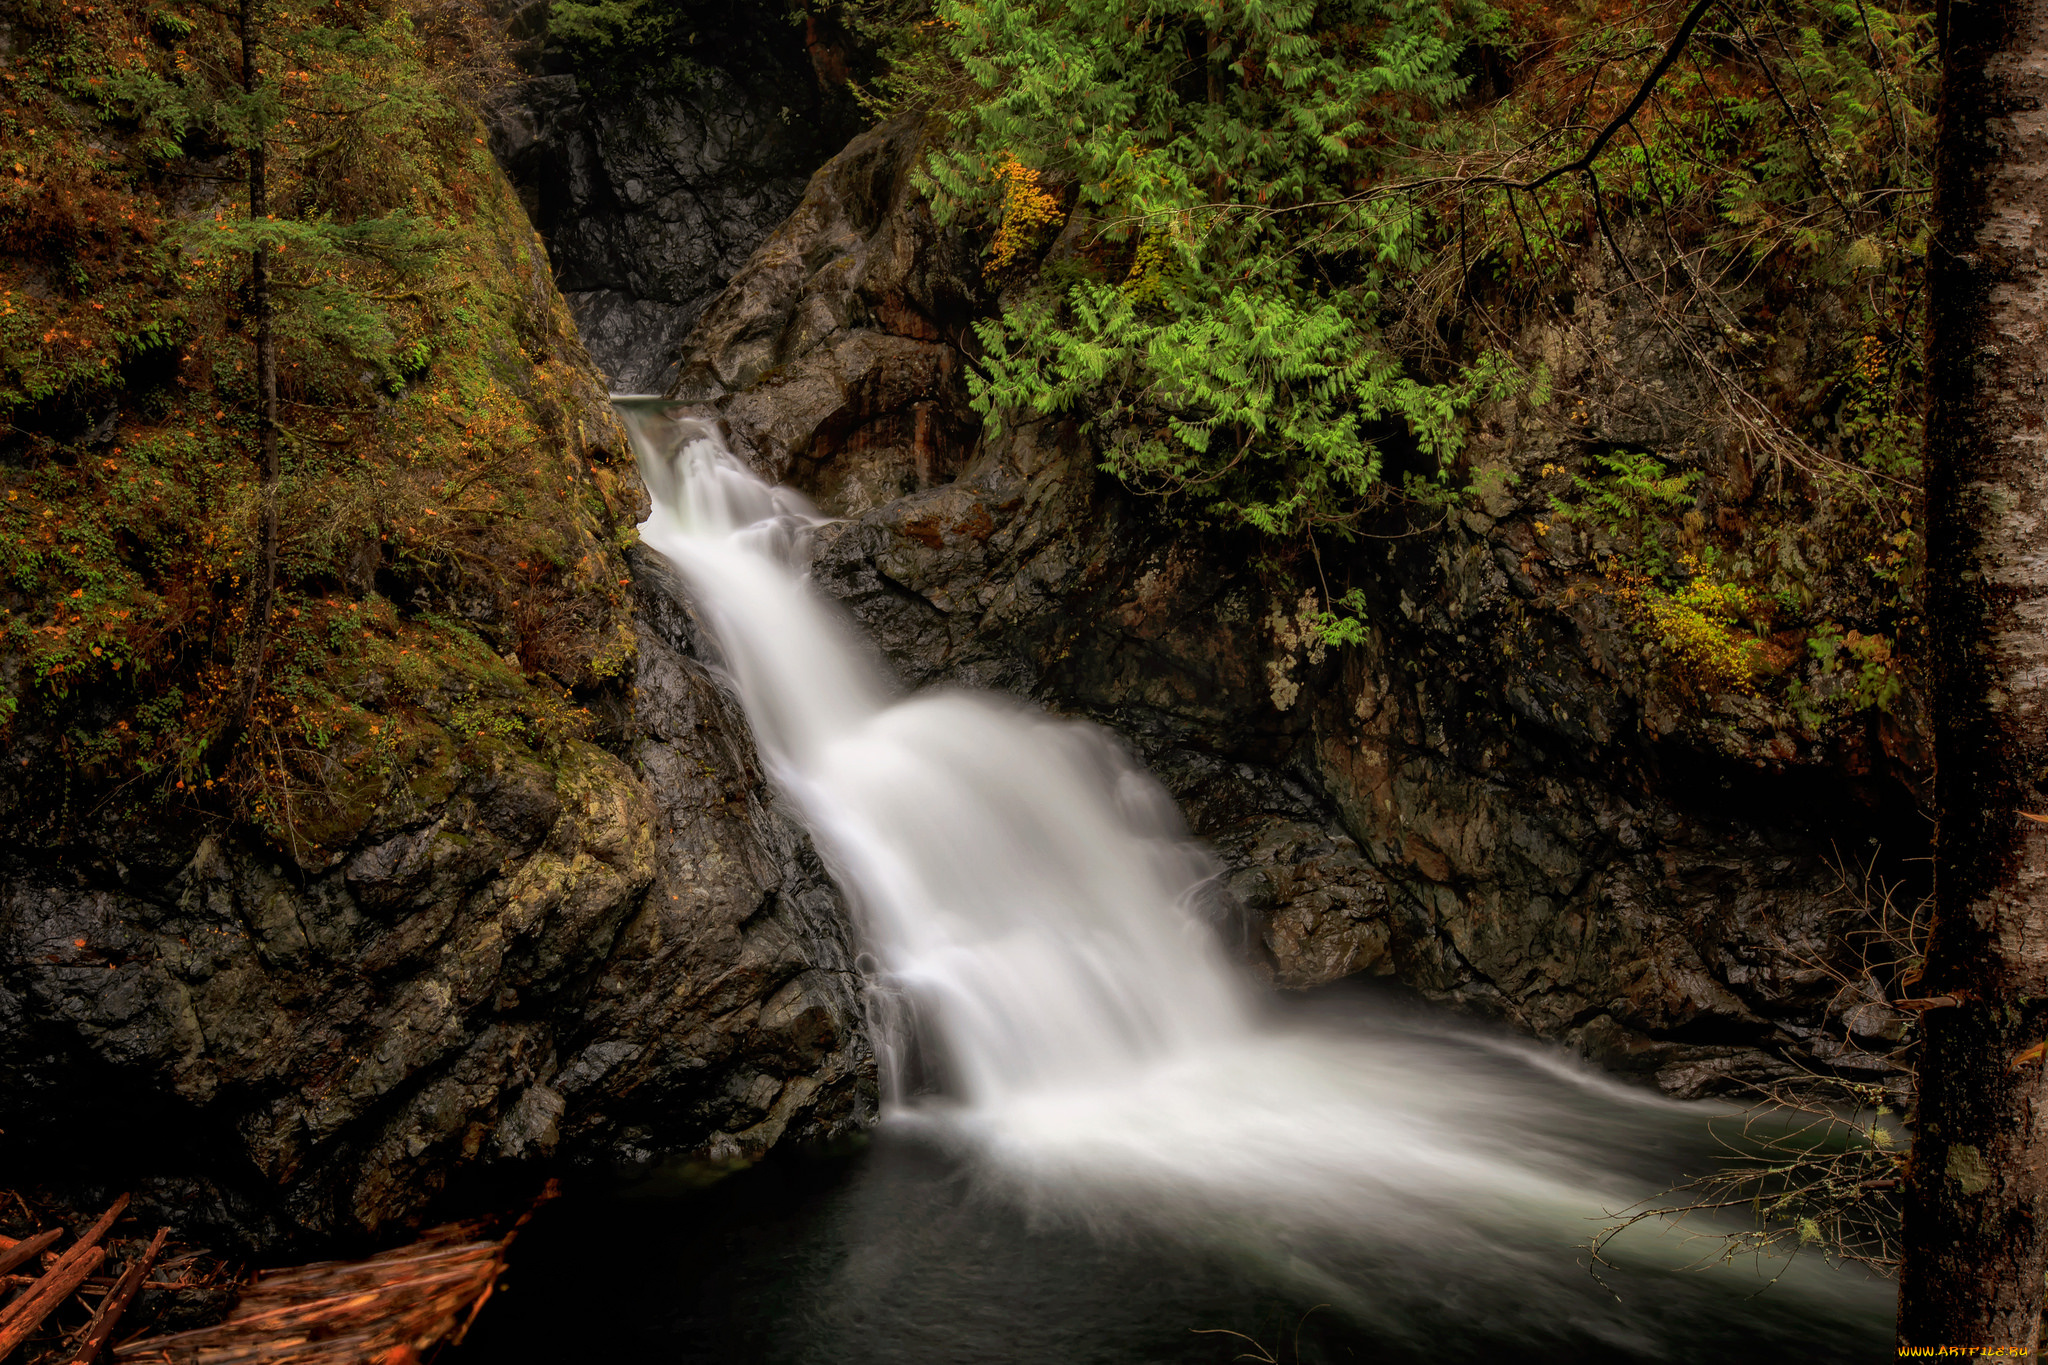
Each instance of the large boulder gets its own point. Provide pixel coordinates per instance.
(586, 959)
(834, 359)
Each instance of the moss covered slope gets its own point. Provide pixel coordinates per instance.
(456, 495)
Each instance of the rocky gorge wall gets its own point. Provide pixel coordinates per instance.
(1498, 799)
(525, 902)
(651, 187)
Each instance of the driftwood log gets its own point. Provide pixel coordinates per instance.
(396, 1308)
(392, 1309)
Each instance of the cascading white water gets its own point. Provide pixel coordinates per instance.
(1020, 880)
(1032, 893)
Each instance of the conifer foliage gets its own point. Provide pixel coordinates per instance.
(1215, 307)
(276, 545)
(1283, 260)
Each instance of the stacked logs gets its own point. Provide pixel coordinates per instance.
(36, 1297)
(396, 1308)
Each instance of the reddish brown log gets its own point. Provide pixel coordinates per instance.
(27, 1313)
(27, 1248)
(386, 1310)
(116, 1303)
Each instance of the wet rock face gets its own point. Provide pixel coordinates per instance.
(650, 199)
(833, 360)
(585, 959)
(648, 207)
(1491, 799)
(730, 1011)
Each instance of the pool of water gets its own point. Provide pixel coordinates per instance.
(931, 1242)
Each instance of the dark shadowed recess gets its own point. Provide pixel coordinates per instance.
(653, 171)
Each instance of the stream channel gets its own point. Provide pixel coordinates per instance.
(1100, 1141)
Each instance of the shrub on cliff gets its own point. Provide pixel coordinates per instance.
(1219, 309)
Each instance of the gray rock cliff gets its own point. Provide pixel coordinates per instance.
(652, 183)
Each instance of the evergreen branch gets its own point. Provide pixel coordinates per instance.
(1798, 124)
(1582, 163)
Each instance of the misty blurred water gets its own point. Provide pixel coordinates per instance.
(1099, 1140)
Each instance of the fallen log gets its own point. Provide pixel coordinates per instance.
(101, 1329)
(418, 1303)
(390, 1309)
(26, 1313)
(27, 1249)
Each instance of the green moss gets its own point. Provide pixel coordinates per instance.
(454, 493)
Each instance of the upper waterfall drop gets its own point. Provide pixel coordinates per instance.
(1027, 887)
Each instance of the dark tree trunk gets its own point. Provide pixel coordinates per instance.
(1214, 41)
(256, 642)
(1977, 1189)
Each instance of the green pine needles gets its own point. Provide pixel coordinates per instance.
(354, 118)
(1215, 304)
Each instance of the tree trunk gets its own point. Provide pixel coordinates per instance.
(256, 642)
(1210, 45)
(1977, 1188)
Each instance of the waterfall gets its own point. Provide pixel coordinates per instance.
(1026, 887)
(1033, 899)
